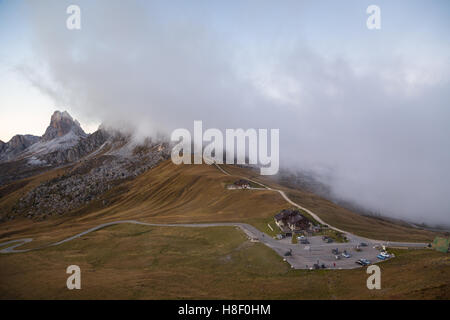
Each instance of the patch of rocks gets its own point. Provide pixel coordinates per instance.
(84, 183)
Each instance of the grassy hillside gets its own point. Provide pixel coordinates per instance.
(138, 262)
(167, 193)
(342, 218)
(129, 261)
(190, 193)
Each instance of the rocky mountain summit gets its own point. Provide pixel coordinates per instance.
(16, 145)
(63, 142)
(62, 134)
(93, 164)
(61, 123)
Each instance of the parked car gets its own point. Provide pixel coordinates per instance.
(335, 251)
(346, 255)
(304, 241)
(363, 262)
(363, 244)
(383, 255)
(327, 239)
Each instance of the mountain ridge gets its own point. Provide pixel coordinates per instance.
(16, 145)
(63, 142)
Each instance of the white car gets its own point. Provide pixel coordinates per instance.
(383, 255)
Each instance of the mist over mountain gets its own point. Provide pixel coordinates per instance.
(373, 128)
(92, 164)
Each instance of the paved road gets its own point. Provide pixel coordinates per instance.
(303, 256)
(246, 228)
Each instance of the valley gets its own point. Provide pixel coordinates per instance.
(176, 223)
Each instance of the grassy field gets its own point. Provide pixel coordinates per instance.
(139, 262)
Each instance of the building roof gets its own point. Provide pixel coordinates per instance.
(241, 182)
(292, 217)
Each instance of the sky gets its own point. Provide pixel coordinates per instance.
(365, 110)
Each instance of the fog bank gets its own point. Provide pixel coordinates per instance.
(374, 125)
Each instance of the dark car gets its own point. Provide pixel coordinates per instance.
(363, 262)
(327, 239)
(363, 244)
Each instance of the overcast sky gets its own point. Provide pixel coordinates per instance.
(367, 110)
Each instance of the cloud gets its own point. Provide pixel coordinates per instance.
(376, 130)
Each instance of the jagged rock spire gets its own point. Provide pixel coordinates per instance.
(62, 123)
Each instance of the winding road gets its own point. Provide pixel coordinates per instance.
(302, 256)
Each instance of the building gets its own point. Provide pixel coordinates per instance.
(291, 221)
(240, 184)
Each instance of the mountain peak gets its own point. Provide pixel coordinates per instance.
(61, 123)
(59, 115)
(16, 145)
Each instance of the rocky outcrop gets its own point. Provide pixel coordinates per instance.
(85, 146)
(16, 145)
(30, 163)
(61, 136)
(94, 163)
(61, 123)
(63, 142)
(87, 182)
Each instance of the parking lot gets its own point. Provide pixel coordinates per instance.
(304, 256)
